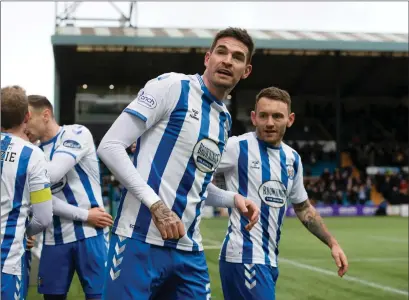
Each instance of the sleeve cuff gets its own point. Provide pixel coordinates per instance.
(83, 215)
(136, 114)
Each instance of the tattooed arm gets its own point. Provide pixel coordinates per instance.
(312, 220)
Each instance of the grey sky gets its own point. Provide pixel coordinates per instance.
(26, 28)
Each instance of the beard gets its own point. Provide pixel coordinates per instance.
(272, 138)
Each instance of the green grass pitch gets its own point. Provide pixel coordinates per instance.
(377, 249)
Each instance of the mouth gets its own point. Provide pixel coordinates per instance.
(225, 72)
(270, 131)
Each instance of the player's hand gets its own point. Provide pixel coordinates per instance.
(248, 209)
(97, 217)
(167, 222)
(30, 242)
(340, 259)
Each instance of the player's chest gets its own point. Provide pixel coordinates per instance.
(270, 179)
(198, 119)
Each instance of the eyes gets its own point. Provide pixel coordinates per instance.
(275, 116)
(239, 56)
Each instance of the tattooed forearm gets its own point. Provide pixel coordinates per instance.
(313, 222)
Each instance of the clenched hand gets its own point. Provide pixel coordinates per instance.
(167, 222)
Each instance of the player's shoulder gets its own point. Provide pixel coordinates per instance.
(167, 79)
(21, 144)
(236, 139)
(248, 136)
(290, 152)
(74, 133)
(36, 154)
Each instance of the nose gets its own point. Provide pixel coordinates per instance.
(228, 60)
(270, 122)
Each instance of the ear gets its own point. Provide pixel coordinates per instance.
(46, 115)
(253, 117)
(247, 71)
(291, 119)
(207, 57)
(27, 117)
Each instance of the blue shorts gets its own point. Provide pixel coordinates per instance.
(58, 263)
(12, 287)
(248, 281)
(138, 270)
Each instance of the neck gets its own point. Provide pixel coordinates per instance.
(51, 131)
(218, 92)
(17, 131)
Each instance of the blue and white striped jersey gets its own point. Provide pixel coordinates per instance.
(23, 171)
(186, 133)
(271, 177)
(79, 187)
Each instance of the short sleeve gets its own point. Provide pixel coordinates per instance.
(229, 156)
(38, 177)
(298, 193)
(76, 141)
(155, 99)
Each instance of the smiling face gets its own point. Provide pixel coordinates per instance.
(272, 116)
(227, 63)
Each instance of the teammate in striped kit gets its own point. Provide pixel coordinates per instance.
(24, 182)
(181, 127)
(260, 166)
(70, 244)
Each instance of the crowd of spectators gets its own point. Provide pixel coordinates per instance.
(339, 186)
(343, 187)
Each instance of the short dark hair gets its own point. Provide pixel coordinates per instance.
(40, 102)
(14, 106)
(274, 93)
(238, 34)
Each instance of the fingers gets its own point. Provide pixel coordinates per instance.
(255, 211)
(181, 229)
(337, 260)
(174, 229)
(344, 268)
(163, 232)
(341, 262)
(250, 225)
(101, 219)
(253, 214)
(174, 234)
(106, 221)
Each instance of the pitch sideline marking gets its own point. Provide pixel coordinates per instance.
(331, 273)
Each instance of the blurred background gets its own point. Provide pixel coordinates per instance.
(344, 64)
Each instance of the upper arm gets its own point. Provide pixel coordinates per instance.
(38, 179)
(229, 157)
(298, 193)
(155, 99)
